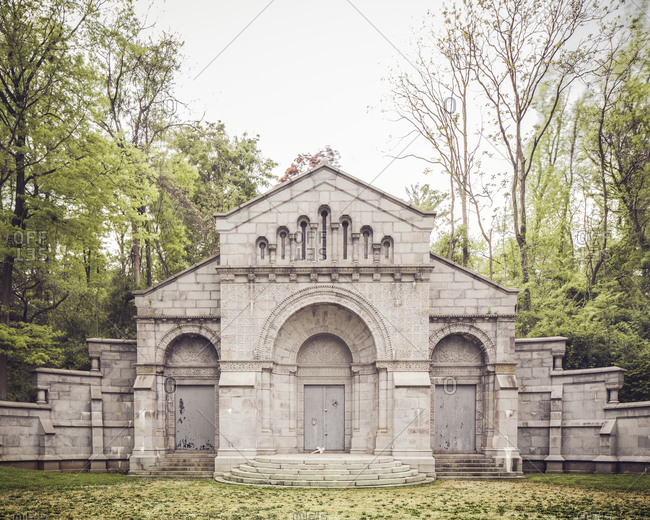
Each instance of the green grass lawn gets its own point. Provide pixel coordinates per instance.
(26, 494)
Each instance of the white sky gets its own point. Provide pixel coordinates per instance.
(304, 74)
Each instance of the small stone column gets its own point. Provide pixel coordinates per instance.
(313, 243)
(94, 364)
(333, 243)
(272, 248)
(41, 395)
(613, 395)
(292, 248)
(355, 247)
(376, 253)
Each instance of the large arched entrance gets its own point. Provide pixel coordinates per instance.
(324, 378)
(324, 382)
(191, 388)
(457, 401)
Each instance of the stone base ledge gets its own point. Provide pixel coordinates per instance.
(29, 406)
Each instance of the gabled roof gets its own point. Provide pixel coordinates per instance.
(176, 276)
(298, 178)
(474, 275)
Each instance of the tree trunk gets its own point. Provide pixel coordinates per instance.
(464, 180)
(147, 260)
(136, 256)
(450, 252)
(17, 223)
(518, 194)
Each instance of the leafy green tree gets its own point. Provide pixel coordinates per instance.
(229, 172)
(46, 97)
(139, 75)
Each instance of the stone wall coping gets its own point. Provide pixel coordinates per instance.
(622, 406)
(542, 343)
(64, 372)
(19, 404)
(111, 341)
(586, 371)
(584, 458)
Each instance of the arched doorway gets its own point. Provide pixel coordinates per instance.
(191, 388)
(322, 345)
(324, 375)
(457, 401)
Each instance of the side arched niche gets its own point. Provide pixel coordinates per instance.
(191, 375)
(459, 383)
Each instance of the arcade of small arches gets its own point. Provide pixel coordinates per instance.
(315, 240)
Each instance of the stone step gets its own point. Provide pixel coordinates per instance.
(181, 465)
(412, 480)
(327, 471)
(239, 472)
(476, 464)
(324, 465)
(309, 470)
(481, 476)
(331, 460)
(151, 473)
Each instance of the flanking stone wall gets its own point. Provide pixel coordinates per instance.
(82, 420)
(25, 434)
(571, 420)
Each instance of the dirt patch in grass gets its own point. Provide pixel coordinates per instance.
(118, 497)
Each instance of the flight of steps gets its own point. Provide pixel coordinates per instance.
(198, 464)
(470, 466)
(325, 471)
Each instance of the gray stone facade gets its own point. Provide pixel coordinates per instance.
(326, 283)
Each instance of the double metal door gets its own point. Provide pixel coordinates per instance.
(455, 418)
(195, 417)
(325, 417)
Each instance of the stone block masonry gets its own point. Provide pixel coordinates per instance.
(571, 420)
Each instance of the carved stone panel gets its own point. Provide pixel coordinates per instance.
(457, 350)
(324, 349)
(192, 351)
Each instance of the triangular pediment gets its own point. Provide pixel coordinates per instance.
(350, 193)
(344, 220)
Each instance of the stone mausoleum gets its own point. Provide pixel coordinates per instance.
(326, 324)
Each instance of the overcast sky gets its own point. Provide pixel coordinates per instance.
(302, 74)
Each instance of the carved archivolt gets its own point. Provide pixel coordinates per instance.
(457, 350)
(207, 339)
(319, 295)
(191, 351)
(468, 336)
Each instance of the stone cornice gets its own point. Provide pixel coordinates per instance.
(315, 272)
(305, 268)
(442, 317)
(213, 317)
